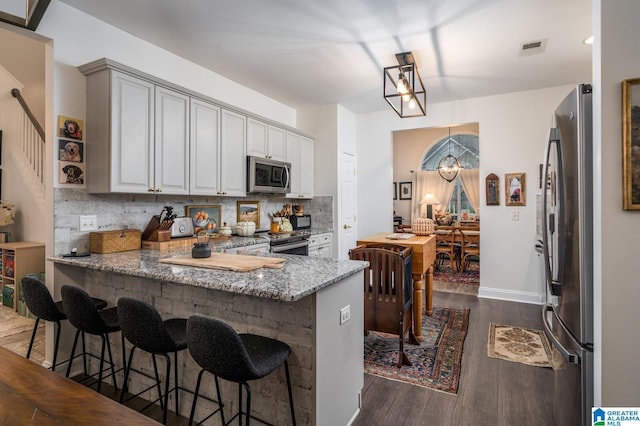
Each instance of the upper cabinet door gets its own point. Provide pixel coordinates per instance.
(205, 148)
(277, 143)
(266, 141)
(233, 164)
(257, 138)
(132, 141)
(306, 166)
(172, 142)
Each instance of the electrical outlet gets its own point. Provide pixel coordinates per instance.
(515, 215)
(345, 314)
(88, 223)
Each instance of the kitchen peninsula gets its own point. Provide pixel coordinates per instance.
(299, 304)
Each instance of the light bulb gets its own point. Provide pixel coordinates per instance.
(406, 98)
(402, 85)
(412, 103)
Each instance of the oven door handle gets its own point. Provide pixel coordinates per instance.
(287, 247)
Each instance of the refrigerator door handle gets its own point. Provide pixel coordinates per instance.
(549, 220)
(571, 356)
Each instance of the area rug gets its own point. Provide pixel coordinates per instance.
(12, 323)
(471, 276)
(521, 345)
(436, 361)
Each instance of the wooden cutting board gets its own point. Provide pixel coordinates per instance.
(227, 261)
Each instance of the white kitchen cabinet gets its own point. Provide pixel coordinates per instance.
(265, 141)
(120, 124)
(139, 136)
(233, 153)
(320, 245)
(217, 151)
(256, 249)
(300, 155)
(171, 142)
(205, 148)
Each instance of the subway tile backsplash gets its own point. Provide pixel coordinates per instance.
(133, 211)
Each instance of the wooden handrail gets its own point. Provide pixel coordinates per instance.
(16, 94)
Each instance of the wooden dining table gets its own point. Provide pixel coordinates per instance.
(424, 256)
(31, 394)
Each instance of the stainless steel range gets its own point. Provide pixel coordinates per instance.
(296, 242)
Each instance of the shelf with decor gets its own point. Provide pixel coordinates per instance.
(18, 259)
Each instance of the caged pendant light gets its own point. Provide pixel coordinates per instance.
(449, 166)
(403, 88)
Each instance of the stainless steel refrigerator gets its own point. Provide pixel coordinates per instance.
(568, 254)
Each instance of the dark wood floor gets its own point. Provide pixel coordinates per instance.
(491, 391)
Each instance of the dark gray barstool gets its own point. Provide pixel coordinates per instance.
(41, 304)
(142, 325)
(238, 358)
(86, 318)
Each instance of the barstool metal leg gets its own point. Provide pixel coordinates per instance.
(166, 389)
(57, 326)
(293, 414)
(175, 375)
(73, 352)
(195, 398)
(155, 371)
(127, 370)
(33, 337)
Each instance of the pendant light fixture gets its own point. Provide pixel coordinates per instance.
(449, 166)
(406, 94)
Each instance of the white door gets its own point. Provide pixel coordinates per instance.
(348, 206)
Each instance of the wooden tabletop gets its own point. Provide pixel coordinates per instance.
(31, 394)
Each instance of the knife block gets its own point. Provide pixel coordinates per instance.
(151, 232)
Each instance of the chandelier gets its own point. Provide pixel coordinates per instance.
(449, 166)
(403, 88)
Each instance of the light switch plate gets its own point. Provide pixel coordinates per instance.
(345, 314)
(515, 215)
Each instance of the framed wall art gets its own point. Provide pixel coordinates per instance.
(515, 189)
(204, 217)
(249, 211)
(70, 127)
(405, 190)
(395, 190)
(631, 144)
(492, 188)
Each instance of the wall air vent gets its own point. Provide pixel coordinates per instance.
(533, 47)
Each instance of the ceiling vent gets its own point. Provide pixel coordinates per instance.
(533, 47)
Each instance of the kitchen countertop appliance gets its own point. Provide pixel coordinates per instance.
(182, 227)
(302, 221)
(567, 250)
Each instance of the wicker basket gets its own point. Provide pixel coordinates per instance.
(115, 241)
(422, 226)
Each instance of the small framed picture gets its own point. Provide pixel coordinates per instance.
(395, 190)
(71, 173)
(70, 150)
(515, 189)
(204, 217)
(492, 187)
(631, 144)
(69, 127)
(405, 190)
(249, 211)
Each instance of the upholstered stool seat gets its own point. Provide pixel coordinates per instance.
(41, 304)
(142, 325)
(220, 350)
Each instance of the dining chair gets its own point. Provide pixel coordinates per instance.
(446, 246)
(470, 247)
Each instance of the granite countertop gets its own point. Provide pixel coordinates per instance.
(301, 275)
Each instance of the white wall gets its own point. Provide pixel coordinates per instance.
(616, 232)
(80, 38)
(513, 131)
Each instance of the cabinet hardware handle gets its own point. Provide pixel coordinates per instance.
(159, 190)
(346, 226)
(151, 190)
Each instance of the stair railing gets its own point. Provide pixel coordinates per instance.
(32, 137)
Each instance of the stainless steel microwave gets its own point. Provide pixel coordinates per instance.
(268, 176)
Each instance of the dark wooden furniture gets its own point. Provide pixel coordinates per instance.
(31, 394)
(388, 292)
(470, 247)
(424, 255)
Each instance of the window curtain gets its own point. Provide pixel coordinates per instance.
(470, 180)
(425, 181)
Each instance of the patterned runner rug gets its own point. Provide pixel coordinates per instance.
(523, 345)
(436, 361)
(471, 276)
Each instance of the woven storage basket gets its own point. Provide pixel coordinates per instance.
(422, 226)
(115, 241)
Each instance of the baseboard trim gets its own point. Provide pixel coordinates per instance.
(510, 295)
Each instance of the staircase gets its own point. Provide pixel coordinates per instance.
(31, 137)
